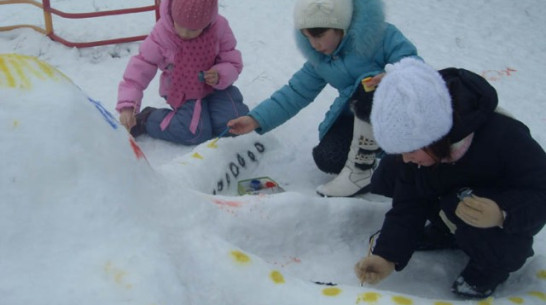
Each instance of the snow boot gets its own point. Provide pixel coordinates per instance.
(474, 282)
(141, 118)
(356, 174)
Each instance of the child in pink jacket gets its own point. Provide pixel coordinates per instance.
(194, 48)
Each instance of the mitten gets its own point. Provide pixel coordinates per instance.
(373, 269)
(480, 212)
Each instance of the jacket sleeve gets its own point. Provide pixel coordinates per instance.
(396, 46)
(229, 62)
(302, 89)
(516, 167)
(525, 169)
(403, 224)
(139, 72)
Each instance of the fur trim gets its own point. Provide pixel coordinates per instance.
(364, 33)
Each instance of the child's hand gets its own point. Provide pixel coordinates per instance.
(242, 125)
(480, 212)
(127, 118)
(372, 269)
(211, 77)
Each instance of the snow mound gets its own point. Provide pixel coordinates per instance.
(87, 220)
(69, 175)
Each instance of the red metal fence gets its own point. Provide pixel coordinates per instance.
(48, 20)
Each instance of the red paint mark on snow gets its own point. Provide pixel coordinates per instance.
(136, 149)
(287, 261)
(495, 75)
(509, 70)
(228, 203)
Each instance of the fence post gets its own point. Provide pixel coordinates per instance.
(47, 17)
(49, 11)
(157, 15)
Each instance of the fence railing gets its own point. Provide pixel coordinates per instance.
(45, 5)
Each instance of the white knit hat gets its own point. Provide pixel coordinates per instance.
(335, 14)
(411, 107)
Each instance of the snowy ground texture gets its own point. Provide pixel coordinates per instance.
(87, 216)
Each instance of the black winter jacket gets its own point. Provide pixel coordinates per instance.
(503, 163)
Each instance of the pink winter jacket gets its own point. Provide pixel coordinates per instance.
(158, 50)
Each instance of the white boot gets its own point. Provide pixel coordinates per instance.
(357, 172)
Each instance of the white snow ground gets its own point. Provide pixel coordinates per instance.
(85, 219)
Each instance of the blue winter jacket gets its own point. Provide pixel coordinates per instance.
(369, 45)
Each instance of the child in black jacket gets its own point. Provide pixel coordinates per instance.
(464, 167)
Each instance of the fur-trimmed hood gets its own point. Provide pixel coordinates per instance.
(369, 45)
(364, 33)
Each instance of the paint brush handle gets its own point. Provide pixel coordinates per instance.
(223, 133)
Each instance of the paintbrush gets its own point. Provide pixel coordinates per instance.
(223, 133)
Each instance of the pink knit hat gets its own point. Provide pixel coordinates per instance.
(194, 14)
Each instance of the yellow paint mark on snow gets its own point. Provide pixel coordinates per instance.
(197, 156)
(7, 79)
(401, 300)
(442, 303)
(488, 301)
(117, 274)
(25, 82)
(368, 297)
(331, 291)
(15, 124)
(240, 257)
(212, 144)
(26, 68)
(516, 300)
(16, 71)
(541, 274)
(538, 294)
(276, 277)
(48, 70)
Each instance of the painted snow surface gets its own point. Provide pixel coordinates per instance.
(88, 216)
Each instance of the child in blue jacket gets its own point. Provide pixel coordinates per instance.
(344, 42)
